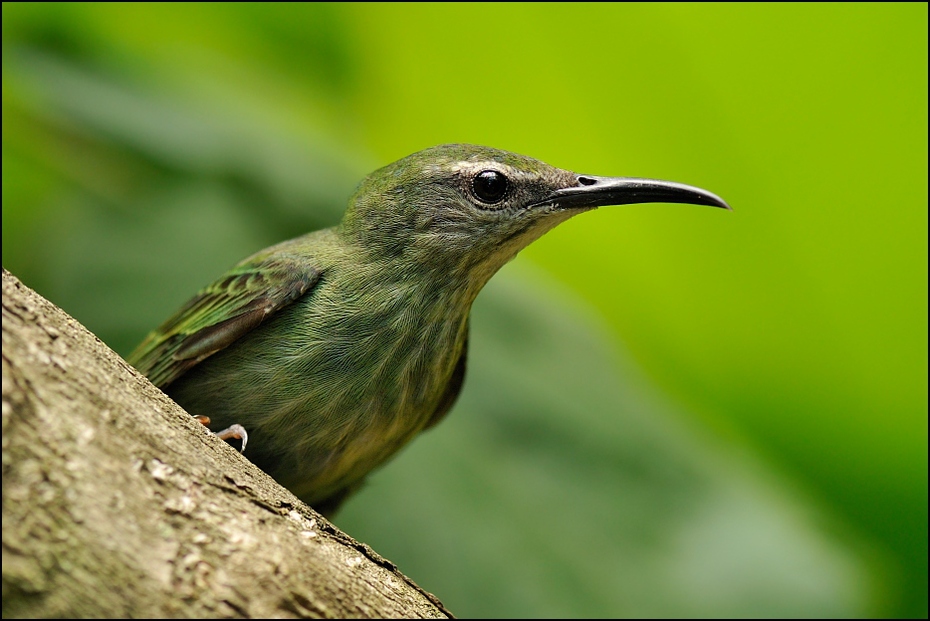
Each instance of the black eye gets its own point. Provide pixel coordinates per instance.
(490, 186)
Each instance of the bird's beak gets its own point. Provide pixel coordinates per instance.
(591, 191)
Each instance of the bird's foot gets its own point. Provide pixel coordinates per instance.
(233, 432)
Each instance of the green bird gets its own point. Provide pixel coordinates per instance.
(336, 348)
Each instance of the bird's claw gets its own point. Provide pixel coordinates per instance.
(234, 432)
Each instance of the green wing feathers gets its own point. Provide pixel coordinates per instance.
(221, 313)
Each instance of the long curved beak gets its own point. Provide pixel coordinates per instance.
(592, 191)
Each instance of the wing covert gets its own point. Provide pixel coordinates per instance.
(223, 312)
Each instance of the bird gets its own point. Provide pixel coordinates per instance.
(332, 350)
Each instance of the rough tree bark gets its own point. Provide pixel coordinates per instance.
(117, 504)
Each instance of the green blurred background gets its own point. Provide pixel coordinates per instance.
(670, 410)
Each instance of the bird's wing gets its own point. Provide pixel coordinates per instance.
(222, 313)
(453, 388)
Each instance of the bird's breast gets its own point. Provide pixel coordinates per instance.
(333, 385)
(373, 365)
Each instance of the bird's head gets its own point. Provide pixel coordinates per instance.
(469, 209)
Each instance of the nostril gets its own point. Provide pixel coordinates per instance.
(586, 181)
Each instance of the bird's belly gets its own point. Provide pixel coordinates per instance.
(322, 415)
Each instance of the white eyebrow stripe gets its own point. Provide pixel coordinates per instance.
(474, 167)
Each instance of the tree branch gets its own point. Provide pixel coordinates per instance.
(116, 503)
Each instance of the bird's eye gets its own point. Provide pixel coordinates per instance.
(490, 186)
